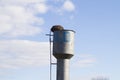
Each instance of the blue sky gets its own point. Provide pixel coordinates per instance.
(24, 47)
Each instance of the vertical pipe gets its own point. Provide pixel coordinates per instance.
(62, 69)
(50, 56)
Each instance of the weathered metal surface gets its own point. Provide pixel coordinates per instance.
(63, 44)
(62, 69)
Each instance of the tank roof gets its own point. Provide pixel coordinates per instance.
(57, 28)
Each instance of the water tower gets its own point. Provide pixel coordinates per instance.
(63, 46)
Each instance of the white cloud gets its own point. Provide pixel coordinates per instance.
(41, 8)
(68, 5)
(20, 17)
(92, 76)
(22, 1)
(84, 60)
(16, 21)
(20, 20)
(100, 78)
(62, 6)
(23, 53)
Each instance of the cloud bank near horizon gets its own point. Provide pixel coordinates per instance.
(15, 54)
(23, 53)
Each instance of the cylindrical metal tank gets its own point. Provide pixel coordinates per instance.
(63, 43)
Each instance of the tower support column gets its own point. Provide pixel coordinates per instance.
(63, 69)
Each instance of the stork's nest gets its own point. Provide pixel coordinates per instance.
(57, 28)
